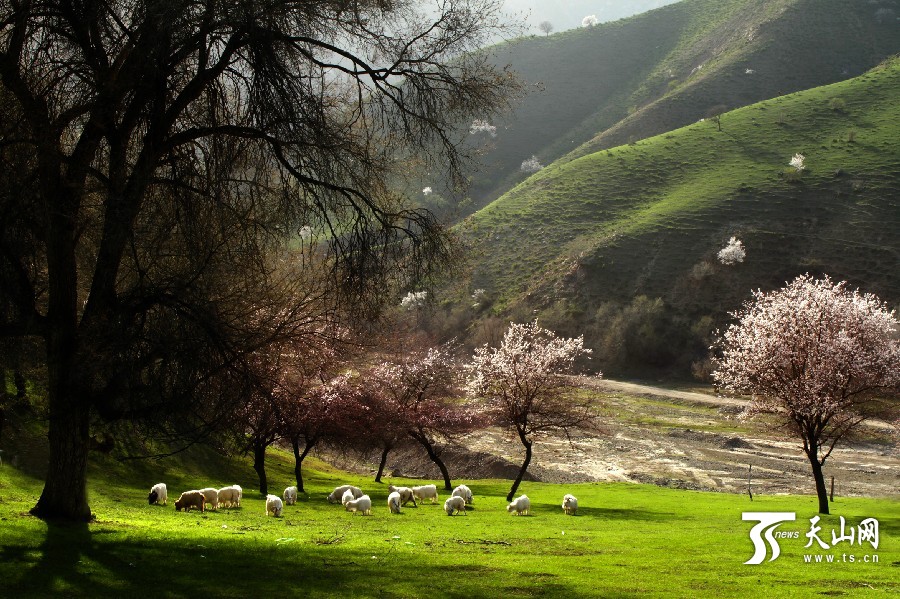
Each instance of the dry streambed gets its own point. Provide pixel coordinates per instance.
(695, 441)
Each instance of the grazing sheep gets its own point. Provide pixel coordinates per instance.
(362, 505)
(456, 504)
(520, 505)
(190, 499)
(426, 492)
(290, 496)
(212, 497)
(240, 493)
(274, 506)
(158, 494)
(338, 493)
(406, 494)
(347, 496)
(229, 497)
(394, 502)
(569, 505)
(464, 492)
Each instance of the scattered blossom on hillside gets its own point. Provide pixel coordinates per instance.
(798, 162)
(589, 21)
(480, 126)
(413, 300)
(733, 252)
(749, 71)
(426, 191)
(532, 165)
(478, 297)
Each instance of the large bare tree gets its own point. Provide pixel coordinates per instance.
(158, 155)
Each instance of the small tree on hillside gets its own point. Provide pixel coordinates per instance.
(523, 384)
(816, 354)
(546, 27)
(379, 422)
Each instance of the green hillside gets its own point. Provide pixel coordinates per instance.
(630, 79)
(649, 218)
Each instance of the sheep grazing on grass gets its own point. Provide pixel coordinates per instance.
(230, 496)
(212, 497)
(189, 500)
(520, 505)
(393, 502)
(406, 494)
(464, 492)
(426, 492)
(569, 505)
(456, 504)
(347, 496)
(274, 506)
(290, 496)
(362, 505)
(240, 493)
(158, 494)
(338, 493)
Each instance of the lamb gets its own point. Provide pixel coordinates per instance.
(158, 494)
(212, 497)
(338, 493)
(569, 504)
(456, 504)
(347, 496)
(406, 494)
(464, 492)
(229, 496)
(426, 492)
(393, 502)
(274, 506)
(362, 505)
(520, 505)
(290, 496)
(190, 499)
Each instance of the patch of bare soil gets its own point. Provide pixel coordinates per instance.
(674, 439)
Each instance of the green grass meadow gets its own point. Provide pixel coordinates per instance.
(627, 540)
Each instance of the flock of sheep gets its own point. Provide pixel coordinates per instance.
(352, 498)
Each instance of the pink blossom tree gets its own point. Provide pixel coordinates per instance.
(423, 387)
(524, 387)
(816, 354)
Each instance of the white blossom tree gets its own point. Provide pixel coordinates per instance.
(546, 27)
(733, 252)
(589, 21)
(414, 300)
(816, 354)
(524, 388)
(531, 165)
(482, 126)
(798, 161)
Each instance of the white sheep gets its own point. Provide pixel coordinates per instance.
(393, 502)
(274, 506)
(229, 497)
(569, 504)
(212, 497)
(338, 493)
(362, 505)
(347, 496)
(426, 492)
(455, 503)
(406, 494)
(158, 494)
(520, 505)
(464, 492)
(290, 496)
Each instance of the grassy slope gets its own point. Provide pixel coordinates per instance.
(627, 540)
(638, 77)
(637, 219)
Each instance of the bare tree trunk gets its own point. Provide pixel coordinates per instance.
(433, 455)
(821, 489)
(522, 470)
(298, 459)
(65, 489)
(384, 455)
(259, 464)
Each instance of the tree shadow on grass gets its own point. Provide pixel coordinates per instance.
(609, 513)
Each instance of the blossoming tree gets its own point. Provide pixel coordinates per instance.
(818, 355)
(524, 386)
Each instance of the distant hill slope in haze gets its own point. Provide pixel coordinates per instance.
(649, 218)
(631, 79)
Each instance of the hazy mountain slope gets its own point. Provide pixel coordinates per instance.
(649, 218)
(627, 80)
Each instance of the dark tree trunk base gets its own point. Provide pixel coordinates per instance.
(65, 490)
(259, 464)
(522, 471)
(433, 455)
(384, 455)
(821, 490)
